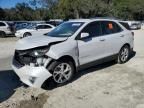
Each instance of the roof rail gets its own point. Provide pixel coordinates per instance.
(113, 18)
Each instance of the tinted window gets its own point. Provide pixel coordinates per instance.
(47, 27)
(40, 27)
(94, 29)
(2, 24)
(109, 27)
(125, 25)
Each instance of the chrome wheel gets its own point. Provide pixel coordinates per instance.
(124, 54)
(62, 73)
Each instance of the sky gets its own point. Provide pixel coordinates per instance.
(10, 3)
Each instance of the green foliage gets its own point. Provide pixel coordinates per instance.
(69, 9)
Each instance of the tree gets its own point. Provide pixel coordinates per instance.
(2, 14)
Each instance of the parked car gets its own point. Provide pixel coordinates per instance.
(5, 29)
(55, 22)
(70, 47)
(39, 29)
(134, 25)
(142, 26)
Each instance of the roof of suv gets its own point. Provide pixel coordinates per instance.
(91, 20)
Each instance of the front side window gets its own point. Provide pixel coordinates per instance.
(109, 27)
(47, 27)
(94, 29)
(39, 27)
(66, 29)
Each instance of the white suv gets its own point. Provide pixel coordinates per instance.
(72, 46)
(39, 29)
(4, 29)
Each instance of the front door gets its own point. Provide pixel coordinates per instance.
(91, 48)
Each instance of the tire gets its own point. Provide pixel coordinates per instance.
(124, 55)
(26, 34)
(60, 77)
(2, 34)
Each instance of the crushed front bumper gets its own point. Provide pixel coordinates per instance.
(30, 75)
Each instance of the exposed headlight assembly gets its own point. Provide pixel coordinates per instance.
(39, 52)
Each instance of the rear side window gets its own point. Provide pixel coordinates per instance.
(94, 29)
(125, 25)
(2, 24)
(109, 27)
(40, 27)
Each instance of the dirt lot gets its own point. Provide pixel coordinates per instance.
(108, 85)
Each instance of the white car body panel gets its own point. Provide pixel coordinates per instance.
(89, 48)
(37, 41)
(25, 73)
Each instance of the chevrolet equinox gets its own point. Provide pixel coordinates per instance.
(71, 46)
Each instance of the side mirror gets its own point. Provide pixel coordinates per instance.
(84, 35)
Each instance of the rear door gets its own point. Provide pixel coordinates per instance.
(113, 37)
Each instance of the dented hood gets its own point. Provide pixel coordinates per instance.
(36, 41)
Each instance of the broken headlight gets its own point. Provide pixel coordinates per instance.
(39, 52)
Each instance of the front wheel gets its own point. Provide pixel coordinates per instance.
(124, 55)
(62, 71)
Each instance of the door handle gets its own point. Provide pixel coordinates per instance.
(102, 40)
(122, 35)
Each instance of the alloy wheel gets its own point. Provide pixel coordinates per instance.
(62, 73)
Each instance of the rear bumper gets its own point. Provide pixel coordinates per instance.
(31, 76)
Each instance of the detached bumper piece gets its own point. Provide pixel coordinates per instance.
(33, 76)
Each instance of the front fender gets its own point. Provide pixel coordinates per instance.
(64, 49)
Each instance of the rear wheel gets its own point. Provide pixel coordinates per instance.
(124, 54)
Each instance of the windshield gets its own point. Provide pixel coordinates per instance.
(66, 29)
(31, 26)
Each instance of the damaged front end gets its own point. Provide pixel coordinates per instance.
(30, 65)
(32, 57)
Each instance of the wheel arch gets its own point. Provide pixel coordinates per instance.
(126, 44)
(68, 57)
(27, 33)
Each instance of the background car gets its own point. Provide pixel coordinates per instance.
(134, 25)
(38, 29)
(5, 29)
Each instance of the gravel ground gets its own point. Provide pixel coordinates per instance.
(108, 85)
